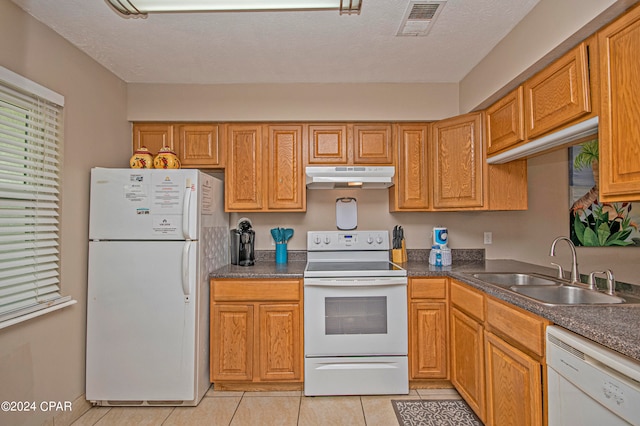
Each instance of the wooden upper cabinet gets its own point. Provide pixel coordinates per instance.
(198, 145)
(327, 144)
(411, 189)
(244, 173)
(507, 186)
(153, 136)
(349, 143)
(505, 122)
(558, 94)
(619, 44)
(372, 144)
(286, 185)
(459, 163)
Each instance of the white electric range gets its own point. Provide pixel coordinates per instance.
(355, 315)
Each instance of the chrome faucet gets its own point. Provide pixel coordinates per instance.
(575, 275)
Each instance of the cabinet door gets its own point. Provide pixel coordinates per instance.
(243, 177)
(559, 94)
(327, 144)
(411, 190)
(505, 122)
(280, 348)
(514, 385)
(458, 162)
(153, 136)
(232, 342)
(199, 145)
(619, 44)
(507, 187)
(286, 180)
(428, 340)
(467, 361)
(373, 144)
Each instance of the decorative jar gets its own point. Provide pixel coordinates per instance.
(141, 159)
(166, 159)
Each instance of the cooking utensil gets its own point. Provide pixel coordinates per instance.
(287, 233)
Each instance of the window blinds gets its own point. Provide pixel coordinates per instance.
(30, 169)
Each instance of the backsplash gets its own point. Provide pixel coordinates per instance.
(413, 255)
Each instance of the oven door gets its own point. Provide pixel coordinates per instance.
(355, 316)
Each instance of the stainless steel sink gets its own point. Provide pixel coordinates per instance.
(566, 295)
(509, 279)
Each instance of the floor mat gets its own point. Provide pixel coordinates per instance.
(434, 413)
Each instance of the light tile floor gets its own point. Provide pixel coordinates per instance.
(264, 409)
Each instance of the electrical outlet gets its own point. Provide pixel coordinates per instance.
(488, 237)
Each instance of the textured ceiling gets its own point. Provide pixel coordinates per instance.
(283, 47)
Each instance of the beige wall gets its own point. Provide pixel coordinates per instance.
(522, 235)
(533, 42)
(43, 359)
(289, 102)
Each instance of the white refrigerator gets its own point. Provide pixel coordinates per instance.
(155, 235)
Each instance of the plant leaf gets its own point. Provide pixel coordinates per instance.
(579, 228)
(590, 238)
(603, 233)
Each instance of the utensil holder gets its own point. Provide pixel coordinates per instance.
(281, 253)
(399, 255)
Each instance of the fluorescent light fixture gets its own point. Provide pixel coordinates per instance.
(142, 7)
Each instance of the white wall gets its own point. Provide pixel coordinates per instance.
(43, 359)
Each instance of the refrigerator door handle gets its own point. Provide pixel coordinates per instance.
(186, 284)
(186, 210)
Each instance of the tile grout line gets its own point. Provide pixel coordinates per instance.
(236, 410)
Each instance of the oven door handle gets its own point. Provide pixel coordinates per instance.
(355, 282)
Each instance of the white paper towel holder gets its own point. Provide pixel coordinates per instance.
(346, 213)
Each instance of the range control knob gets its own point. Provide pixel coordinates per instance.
(370, 240)
(327, 240)
(379, 239)
(316, 240)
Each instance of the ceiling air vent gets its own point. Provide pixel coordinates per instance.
(419, 17)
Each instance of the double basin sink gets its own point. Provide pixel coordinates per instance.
(549, 290)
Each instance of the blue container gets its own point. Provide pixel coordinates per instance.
(281, 252)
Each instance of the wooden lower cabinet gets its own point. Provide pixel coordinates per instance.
(279, 341)
(467, 360)
(232, 339)
(428, 331)
(256, 334)
(514, 385)
(497, 357)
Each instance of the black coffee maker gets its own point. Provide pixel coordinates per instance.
(242, 243)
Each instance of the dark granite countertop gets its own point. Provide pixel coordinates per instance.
(614, 326)
(262, 269)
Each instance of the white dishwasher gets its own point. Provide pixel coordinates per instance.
(589, 384)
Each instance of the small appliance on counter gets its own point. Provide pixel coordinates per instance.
(440, 254)
(242, 243)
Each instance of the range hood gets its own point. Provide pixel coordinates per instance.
(349, 177)
(562, 137)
